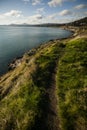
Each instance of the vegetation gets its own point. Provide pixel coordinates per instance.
(81, 22)
(72, 86)
(27, 93)
(47, 90)
(24, 91)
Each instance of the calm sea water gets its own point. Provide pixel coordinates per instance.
(14, 41)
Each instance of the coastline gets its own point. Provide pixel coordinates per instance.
(33, 84)
(46, 84)
(18, 60)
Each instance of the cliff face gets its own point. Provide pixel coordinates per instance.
(47, 89)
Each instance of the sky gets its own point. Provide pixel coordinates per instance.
(41, 11)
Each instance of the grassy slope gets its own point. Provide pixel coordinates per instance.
(72, 86)
(23, 92)
(27, 92)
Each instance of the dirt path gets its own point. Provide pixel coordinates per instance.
(52, 115)
(48, 119)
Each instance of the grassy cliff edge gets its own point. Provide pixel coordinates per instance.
(48, 89)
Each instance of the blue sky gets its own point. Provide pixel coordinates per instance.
(41, 11)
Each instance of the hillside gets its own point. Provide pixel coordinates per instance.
(72, 86)
(80, 22)
(28, 92)
(47, 89)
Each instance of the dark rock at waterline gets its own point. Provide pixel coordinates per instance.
(16, 62)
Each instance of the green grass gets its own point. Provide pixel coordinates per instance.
(19, 109)
(24, 91)
(72, 86)
(24, 106)
(46, 64)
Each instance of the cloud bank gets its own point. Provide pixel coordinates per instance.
(81, 6)
(65, 12)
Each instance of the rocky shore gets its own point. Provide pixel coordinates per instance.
(76, 32)
(18, 60)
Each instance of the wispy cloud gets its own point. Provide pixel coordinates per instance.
(53, 16)
(33, 2)
(37, 16)
(26, 1)
(54, 3)
(81, 6)
(40, 10)
(15, 16)
(12, 13)
(9, 17)
(35, 19)
(65, 12)
(36, 2)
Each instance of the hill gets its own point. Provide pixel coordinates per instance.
(80, 22)
(47, 88)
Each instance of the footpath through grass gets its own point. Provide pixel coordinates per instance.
(24, 101)
(27, 93)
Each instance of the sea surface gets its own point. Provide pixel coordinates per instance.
(15, 41)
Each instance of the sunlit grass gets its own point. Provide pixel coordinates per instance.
(72, 86)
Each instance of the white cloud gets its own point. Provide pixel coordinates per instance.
(8, 17)
(26, 1)
(37, 16)
(65, 12)
(53, 16)
(35, 19)
(81, 6)
(54, 19)
(54, 3)
(13, 13)
(16, 16)
(40, 10)
(36, 2)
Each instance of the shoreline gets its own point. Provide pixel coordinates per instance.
(18, 60)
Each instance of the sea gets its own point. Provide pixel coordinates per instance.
(15, 41)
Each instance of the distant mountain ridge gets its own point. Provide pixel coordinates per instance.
(80, 22)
